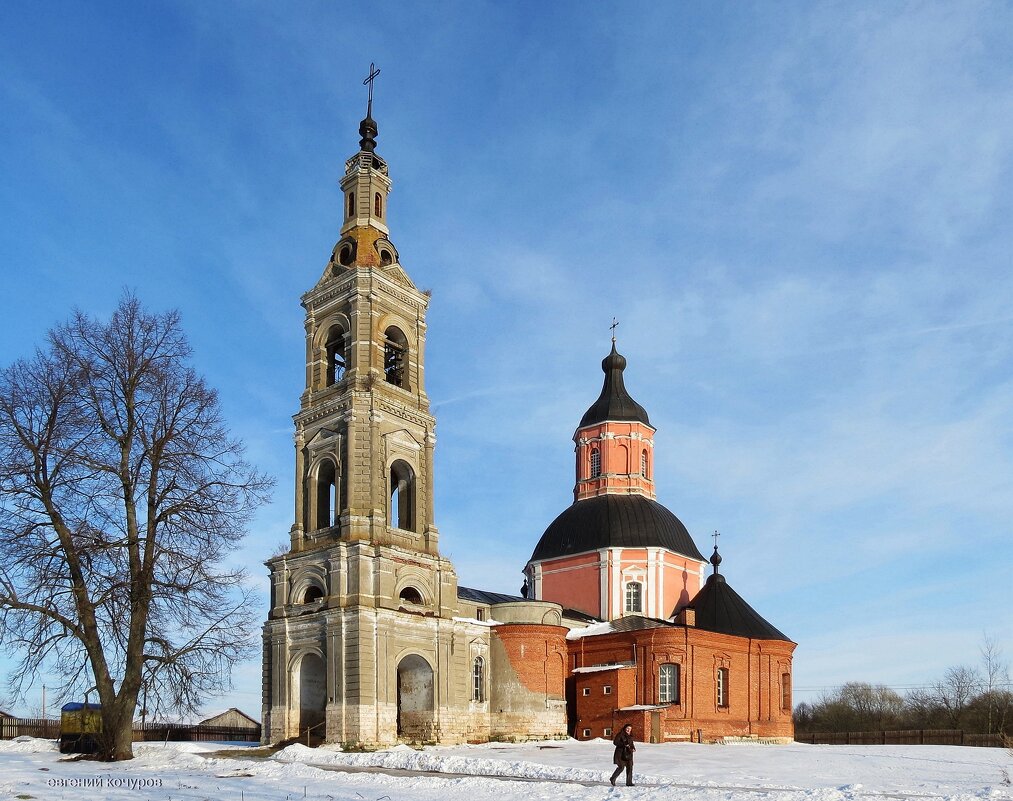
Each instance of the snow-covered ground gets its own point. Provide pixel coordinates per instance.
(34, 769)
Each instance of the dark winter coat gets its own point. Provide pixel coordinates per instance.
(625, 746)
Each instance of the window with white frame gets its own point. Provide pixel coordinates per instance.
(607, 732)
(722, 687)
(668, 684)
(607, 689)
(478, 679)
(587, 691)
(634, 596)
(587, 733)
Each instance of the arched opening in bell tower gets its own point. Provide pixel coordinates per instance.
(395, 357)
(326, 496)
(311, 693)
(414, 699)
(402, 496)
(335, 354)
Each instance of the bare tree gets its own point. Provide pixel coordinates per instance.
(955, 691)
(121, 496)
(995, 684)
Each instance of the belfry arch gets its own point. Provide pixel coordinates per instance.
(402, 496)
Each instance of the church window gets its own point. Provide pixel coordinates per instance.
(479, 614)
(326, 496)
(313, 593)
(346, 254)
(395, 352)
(668, 684)
(335, 348)
(386, 258)
(411, 595)
(402, 496)
(643, 464)
(722, 687)
(351, 204)
(595, 463)
(377, 205)
(786, 692)
(478, 679)
(634, 596)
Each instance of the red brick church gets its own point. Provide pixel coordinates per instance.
(679, 657)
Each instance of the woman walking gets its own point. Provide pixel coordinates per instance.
(623, 757)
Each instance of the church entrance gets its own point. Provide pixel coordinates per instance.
(312, 698)
(415, 699)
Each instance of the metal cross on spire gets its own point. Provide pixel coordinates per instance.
(715, 535)
(373, 72)
(615, 323)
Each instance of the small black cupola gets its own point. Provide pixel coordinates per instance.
(615, 402)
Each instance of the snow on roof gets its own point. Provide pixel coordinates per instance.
(590, 631)
(599, 668)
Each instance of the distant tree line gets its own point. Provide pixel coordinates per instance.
(976, 699)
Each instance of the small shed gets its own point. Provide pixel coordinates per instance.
(232, 718)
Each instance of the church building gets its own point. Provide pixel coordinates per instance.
(370, 639)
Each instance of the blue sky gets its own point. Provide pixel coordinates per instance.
(799, 212)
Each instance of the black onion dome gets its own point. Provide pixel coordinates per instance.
(615, 402)
(720, 609)
(614, 521)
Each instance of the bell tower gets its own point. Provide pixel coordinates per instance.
(364, 434)
(361, 644)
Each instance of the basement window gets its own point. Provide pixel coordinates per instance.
(607, 689)
(607, 732)
(587, 691)
(586, 733)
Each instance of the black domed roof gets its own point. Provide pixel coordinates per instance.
(615, 402)
(615, 521)
(719, 608)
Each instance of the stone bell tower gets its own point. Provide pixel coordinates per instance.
(360, 644)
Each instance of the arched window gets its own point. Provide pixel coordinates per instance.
(411, 595)
(668, 684)
(478, 679)
(395, 357)
(313, 593)
(595, 463)
(335, 348)
(643, 463)
(351, 204)
(722, 687)
(402, 496)
(385, 258)
(377, 205)
(326, 496)
(634, 596)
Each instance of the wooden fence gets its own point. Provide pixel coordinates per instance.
(148, 732)
(902, 737)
